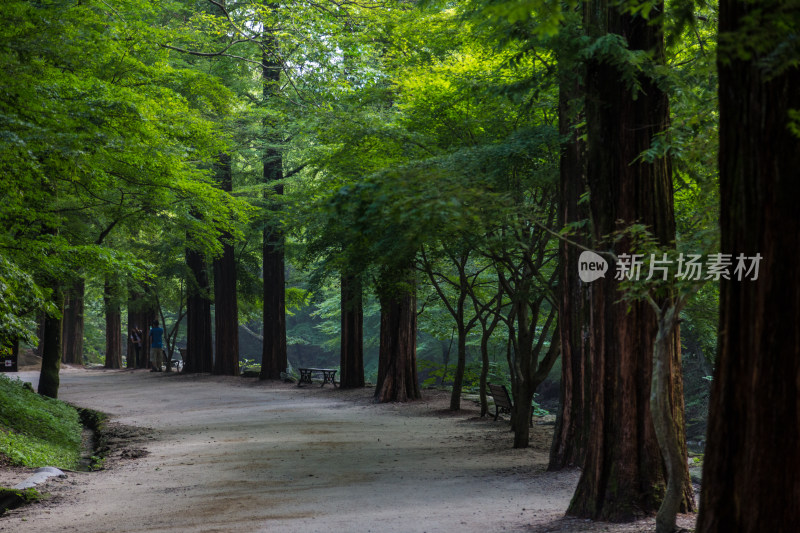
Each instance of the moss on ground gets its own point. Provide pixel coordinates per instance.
(37, 431)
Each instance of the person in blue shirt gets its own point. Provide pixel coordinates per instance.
(156, 347)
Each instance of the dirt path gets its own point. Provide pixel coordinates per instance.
(233, 454)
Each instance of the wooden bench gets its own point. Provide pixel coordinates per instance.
(502, 400)
(328, 375)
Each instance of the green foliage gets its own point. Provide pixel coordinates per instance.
(103, 133)
(20, 296)
(35, 430)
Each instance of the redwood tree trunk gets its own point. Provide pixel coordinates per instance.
(352, 334)
(273, 357)
(72, 324)
(226, 316)
(623, 473)
(751, 471)
(51, 348)
(397, 362)
(572, 421)
(198, 316)
(113, 326)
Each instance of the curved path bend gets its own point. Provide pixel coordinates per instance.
(234, 454)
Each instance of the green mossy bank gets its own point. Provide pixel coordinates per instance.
(37, 431)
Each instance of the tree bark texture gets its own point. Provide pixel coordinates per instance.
(51, 348)
(72, 324)
(199, 345)
(573, 418)
(273, 358)
(226, 316)
(461, 361)
(527, 370)
(113, 326)
(397, 359)
(671, 447)
(624, 474)
(751, 471)
(352, 334)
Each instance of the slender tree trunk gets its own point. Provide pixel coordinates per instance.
(663, 419)
(624, 474)
(72, 324)
(528, 370)
(488, 326)
(461, 363)
(198, 316)
(573, 417)
(226, 316)
(484, 401)
(273, 359)
(51, 348)
(462, 330)
(352, 335)
(751, 470)
(397, 362)
(113, 326)
(522, 393)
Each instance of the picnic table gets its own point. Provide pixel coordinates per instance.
(327, 374)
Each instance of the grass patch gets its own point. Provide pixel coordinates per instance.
(37, 431)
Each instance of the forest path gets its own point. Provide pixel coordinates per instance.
(231, 454)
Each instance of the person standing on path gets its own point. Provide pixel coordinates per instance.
(157, 346)
(136, 340)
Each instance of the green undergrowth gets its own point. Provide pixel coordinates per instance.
(37, 431)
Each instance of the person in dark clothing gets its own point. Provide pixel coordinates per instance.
(136, 340)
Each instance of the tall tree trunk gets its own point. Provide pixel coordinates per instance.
(72, 324)
(489, 317)
(198, 316)
(461, 348)
(397, 359)
(751, 471)
(527, 370)
(352, 334)
(226, 316)
(623, 473)
(672, 449)
(113, 326)
(461, 361)
(573, 418)
(273, 358)
(51, 348)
